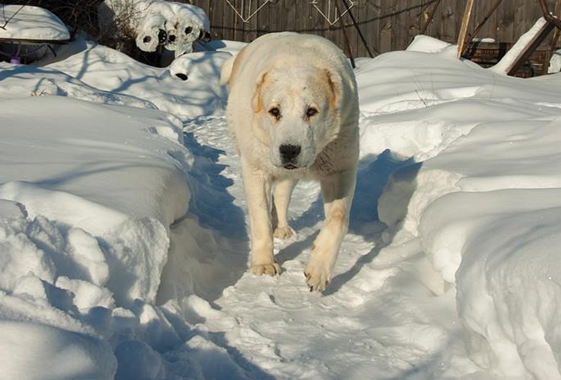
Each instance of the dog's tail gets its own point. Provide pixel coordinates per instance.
(227, 70)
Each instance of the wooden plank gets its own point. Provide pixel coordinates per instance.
(480, 24)
(274, 11)
(290, 19)
(554, 41)
(533, 13)
(359, 13)
(393, 23)
(401, 20)
(216, 20)
(373, 12)
(328, 31)
(315, 22)
(386, 25)
(445, 12)
(481, 21)
(427, 15)
(520, 18)
(530, 48)
(262, 21)
(345, 43)
(414, 21)
(251, 25)
(338, 36)
(465, 23)
(356, 27)
(303, 19)
(505, 28)
(297, 20)
(433, 26)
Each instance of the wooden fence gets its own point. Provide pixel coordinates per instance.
(386, 24)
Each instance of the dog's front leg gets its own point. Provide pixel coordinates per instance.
(258, 194)
(337, 193)
(281, 200)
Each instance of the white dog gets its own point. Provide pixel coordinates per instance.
(293, 114)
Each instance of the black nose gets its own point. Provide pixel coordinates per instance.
(289, 152)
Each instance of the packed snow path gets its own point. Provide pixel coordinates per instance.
(376, 319)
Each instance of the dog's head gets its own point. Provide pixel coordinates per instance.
(298, 108)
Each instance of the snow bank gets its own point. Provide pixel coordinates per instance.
(555, 63)
(122, 185)
(88, 192)
(109, 70)
(33, 351)
(97, 252)
(31, 23)
(428, 44)
(504, 246)
(482, 199)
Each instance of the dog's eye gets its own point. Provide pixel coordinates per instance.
(311, 112)
(275, 112)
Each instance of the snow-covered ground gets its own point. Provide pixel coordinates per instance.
(123, 239)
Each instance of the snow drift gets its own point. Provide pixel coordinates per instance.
(484, 199)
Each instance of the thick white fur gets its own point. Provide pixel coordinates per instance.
(294, 72)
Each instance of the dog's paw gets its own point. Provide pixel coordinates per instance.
(265, 269)
(317, 275)
(283, 232)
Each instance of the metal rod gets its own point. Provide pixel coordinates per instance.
(554, 20)
(357, 28)
(478, 27)
(347, 42)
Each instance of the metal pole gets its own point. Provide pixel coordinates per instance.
(357, 28)
(347, 42)
(478, 27)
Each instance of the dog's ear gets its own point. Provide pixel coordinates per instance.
(334, 84)
(257, 92)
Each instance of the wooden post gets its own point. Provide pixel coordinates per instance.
(554, 40)
(530, 47)
(463, 29)
(551, 19)
(478, 27)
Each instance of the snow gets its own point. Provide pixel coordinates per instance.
(555, 62)
(27, 350)
(108, 70)
(123, 237)
(427, 44)
(31, 23)
(483, 207)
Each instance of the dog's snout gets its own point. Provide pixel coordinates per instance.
(289, 152)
